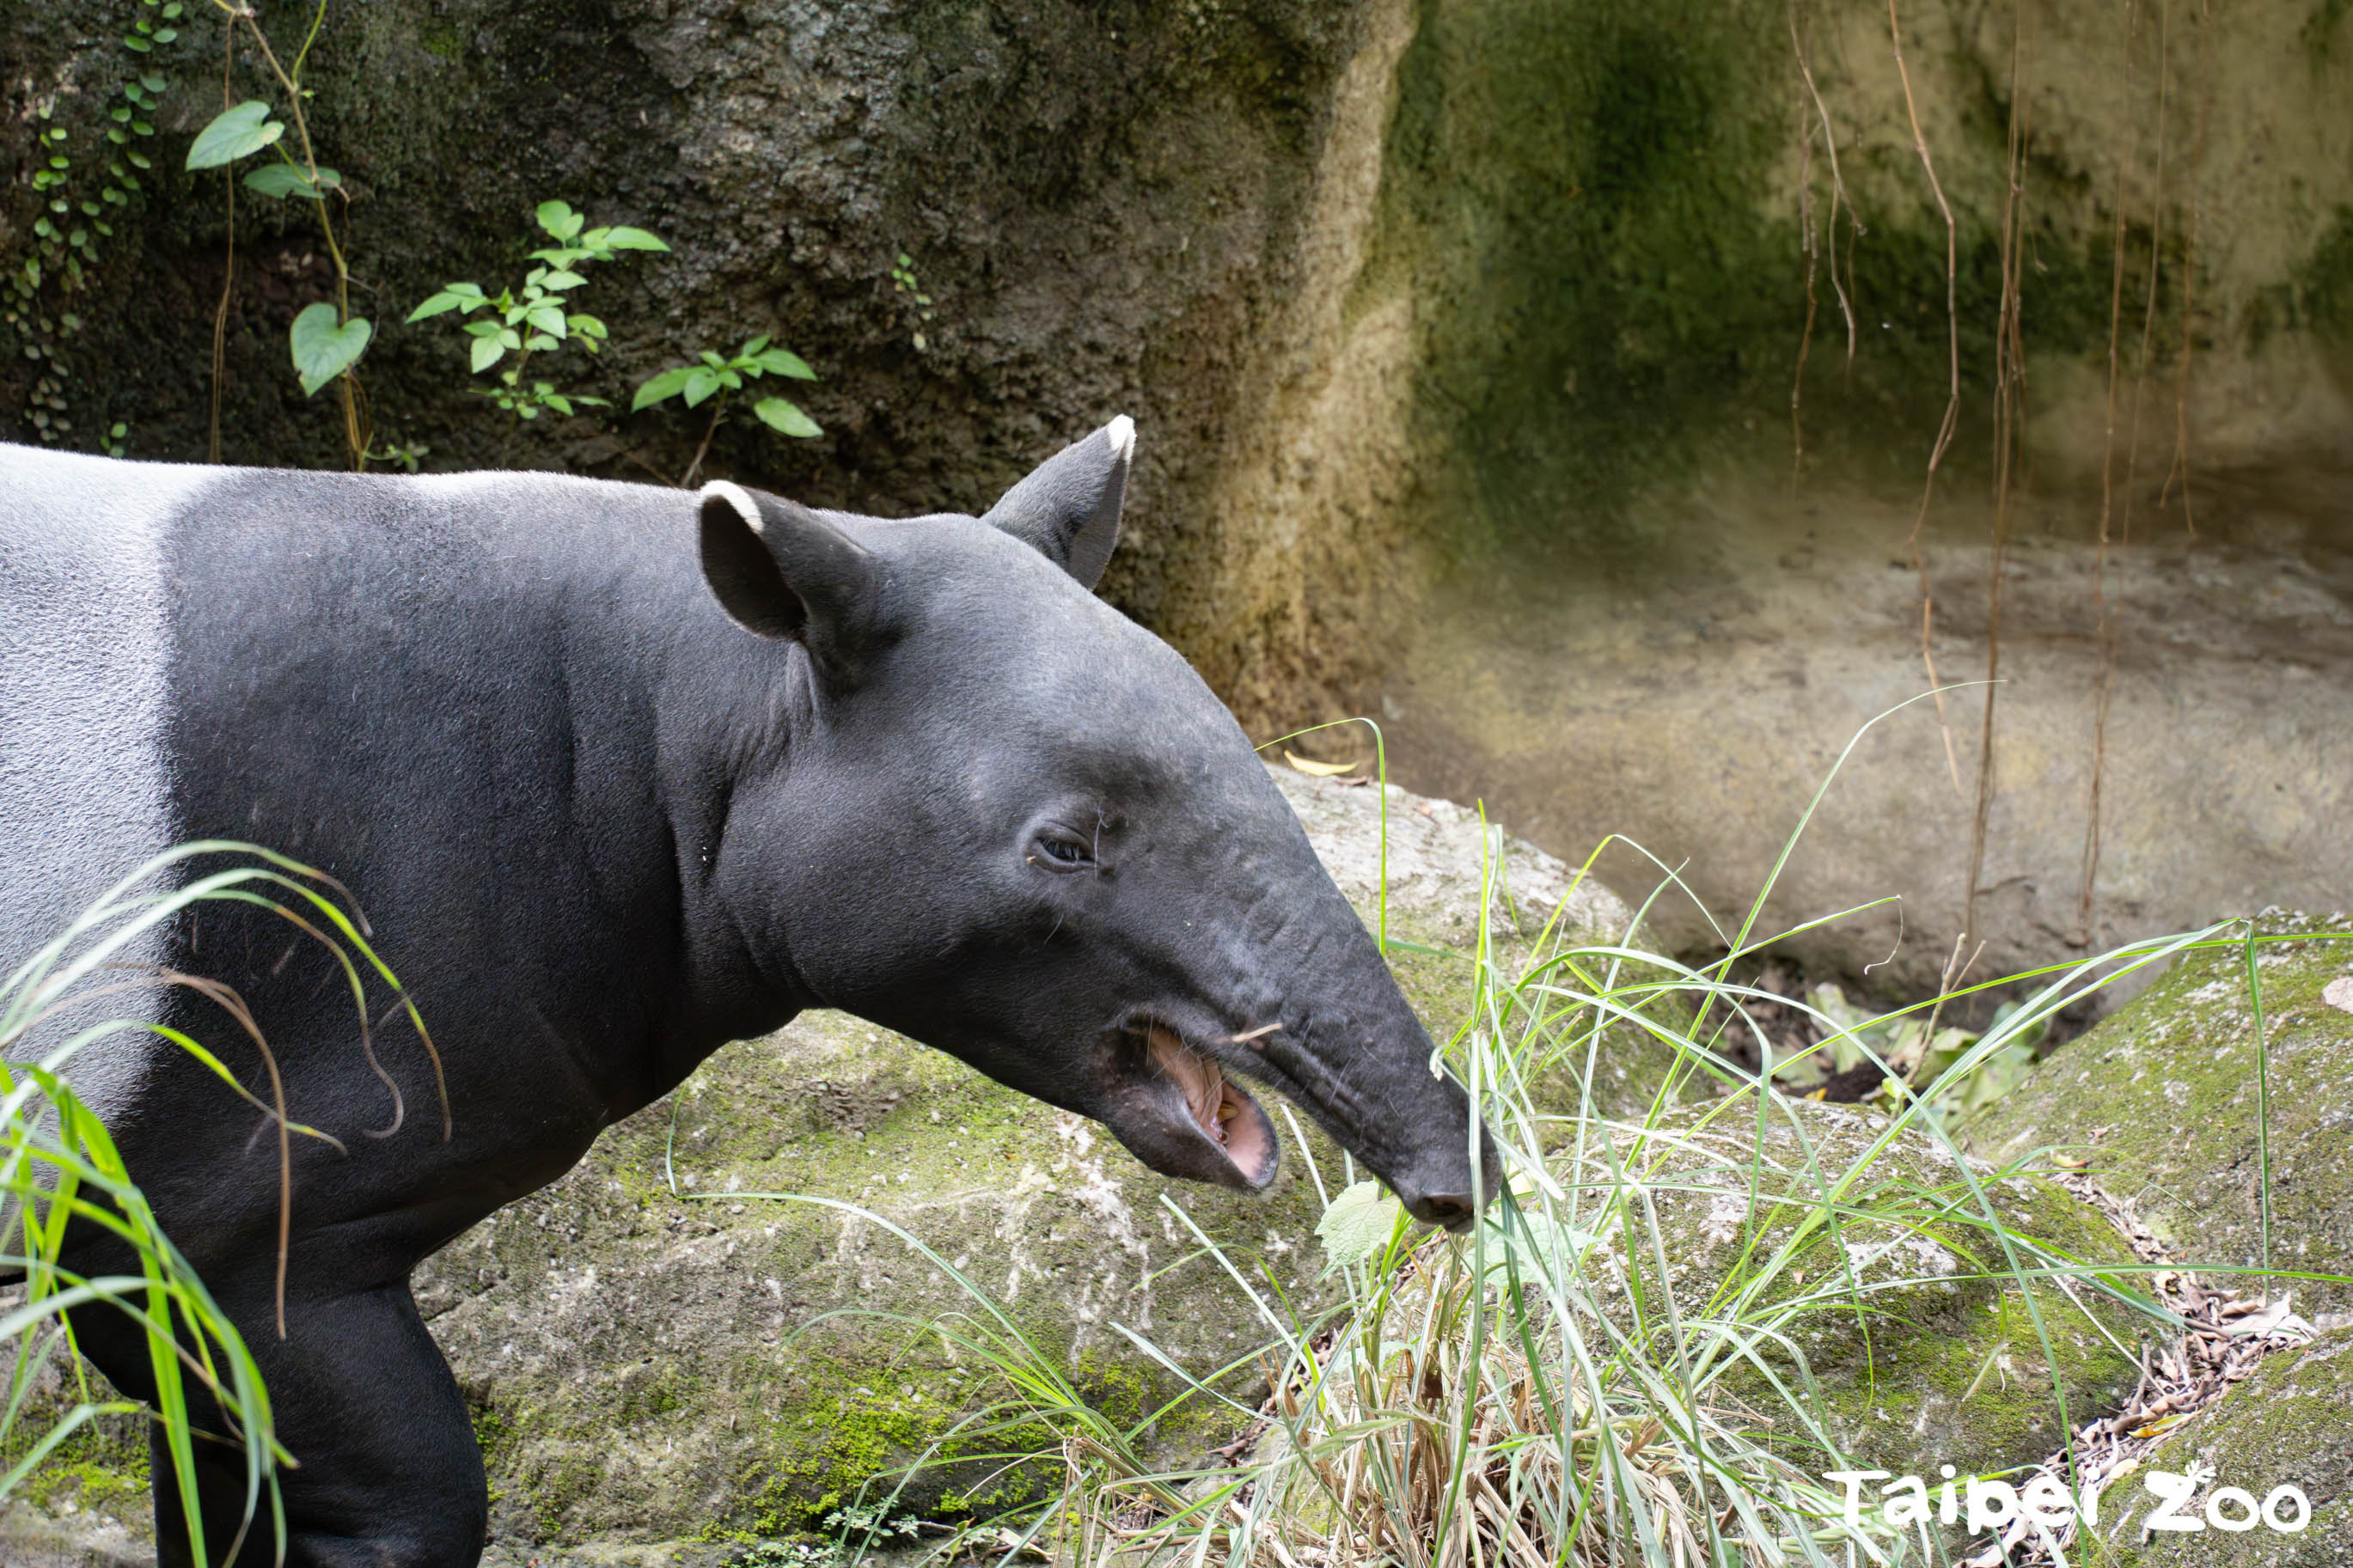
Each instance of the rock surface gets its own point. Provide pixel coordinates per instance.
(1484, 378)
(2161, 1100)
(2288, 1425)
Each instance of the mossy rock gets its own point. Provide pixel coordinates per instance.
(2162, 1098)
(1920, 1352)
(2290, 1424)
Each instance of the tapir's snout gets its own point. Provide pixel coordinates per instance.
(1437, 1189)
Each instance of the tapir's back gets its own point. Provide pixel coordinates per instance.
(189, 651)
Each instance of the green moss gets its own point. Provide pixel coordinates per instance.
(2162, 1098)
(1593, 207)
(2324, 281)
(2287, 1425)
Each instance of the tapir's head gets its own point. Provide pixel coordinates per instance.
(1013, 824)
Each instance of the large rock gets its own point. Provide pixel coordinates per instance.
(2162, 1098)
(2289, 1424)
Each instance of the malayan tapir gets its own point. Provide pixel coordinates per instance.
(620, 774)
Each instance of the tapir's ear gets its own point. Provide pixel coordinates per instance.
(1069, 506)
(780, 570)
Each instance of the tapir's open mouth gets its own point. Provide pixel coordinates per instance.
(1180, 1113)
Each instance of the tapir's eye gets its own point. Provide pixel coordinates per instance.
(1060, 851)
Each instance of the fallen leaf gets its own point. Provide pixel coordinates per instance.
(1315, 769)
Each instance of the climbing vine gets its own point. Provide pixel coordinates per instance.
(85, 177)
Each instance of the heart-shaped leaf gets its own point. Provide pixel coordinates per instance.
(233, 133)
(322, 350)
(783, 361)
(784, 418)
(632, 239)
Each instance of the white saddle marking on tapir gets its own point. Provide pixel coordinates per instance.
(85, 671)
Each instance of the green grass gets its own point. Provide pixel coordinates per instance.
(58, 1166)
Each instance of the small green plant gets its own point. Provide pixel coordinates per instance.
(326, 339)
(536, 319)
(714, 379)
(405, 454)
(910, 292)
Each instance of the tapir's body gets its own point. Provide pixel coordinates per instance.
(617, 774)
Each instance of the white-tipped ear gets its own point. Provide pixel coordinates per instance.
(780, 570)
(739, 497)
(1067, 508)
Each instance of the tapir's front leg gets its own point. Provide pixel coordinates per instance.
(388, 1475)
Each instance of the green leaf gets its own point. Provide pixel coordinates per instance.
(233, 133)
(136, 44)
(783, 362)
(548, 319)
(702, 383)
(322, 350)
(558, 219)
(752, 349)
(156, 84)
(166, 34)
(784, 418)
(283, 180)
(484, 329)
(558, 402)
(562, 279)
(1359, 1224)
(487, 352)
(465, 297)
(586, 326)
(669, 384)
(731, 381)
(632, 239)
(713, 361)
